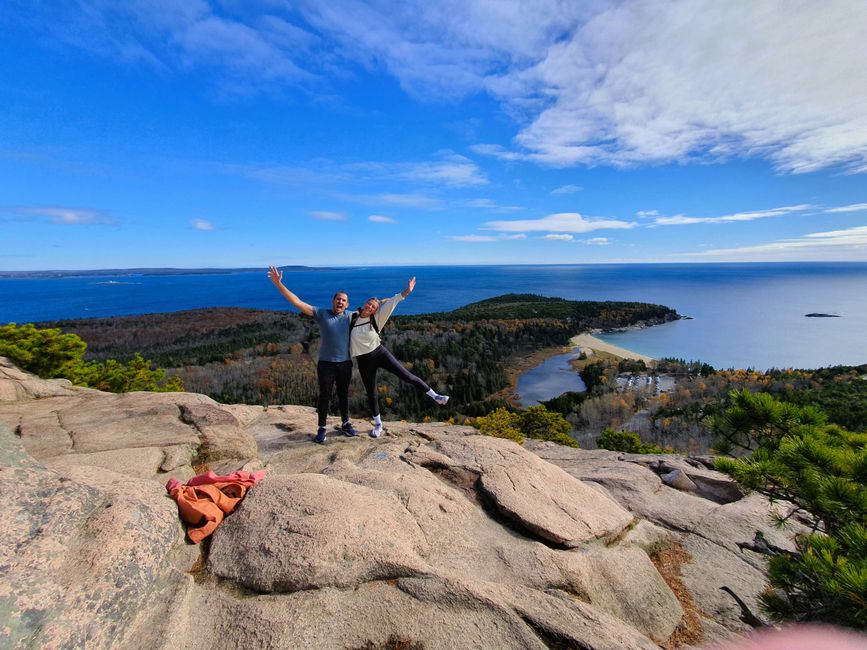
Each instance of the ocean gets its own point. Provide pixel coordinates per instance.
(742, 315)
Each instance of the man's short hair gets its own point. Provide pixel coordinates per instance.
(338, 293)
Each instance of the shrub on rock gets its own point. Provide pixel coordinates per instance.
(534, 422)
(626, 441)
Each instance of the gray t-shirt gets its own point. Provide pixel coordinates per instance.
(334, 331)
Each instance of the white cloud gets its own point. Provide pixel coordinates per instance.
(474, 238)
(441, 50)
(252, 50)
(597, 241)
(647, 213)
(679, 220)
(488, 238)
(327, 215)
(558, 237)
(618, 82)
(59, 215)
(561, 222)
(488, 204)
(497, 151)
(201, 224)
(855, 207)
(856, 235)
(848, 244)
(567, 189)
(449, 169)
(454, 170)
(247, 51)
(634, 81)
(409, 200)
(284, 174)
(481, 203)
(709, 80)
(378, 218)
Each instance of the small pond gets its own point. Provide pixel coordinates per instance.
(549, 379)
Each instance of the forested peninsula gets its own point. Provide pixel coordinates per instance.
(269, 357)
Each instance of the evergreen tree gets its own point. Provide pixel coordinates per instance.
(51, 353)
(821, 469)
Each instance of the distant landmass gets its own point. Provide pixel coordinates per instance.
(159, 271)
(819, 315)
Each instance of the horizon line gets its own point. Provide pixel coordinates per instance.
(222, 269)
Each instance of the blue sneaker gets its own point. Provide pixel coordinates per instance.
(348, 429)
(320, 436)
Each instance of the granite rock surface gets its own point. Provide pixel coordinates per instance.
(431, 534)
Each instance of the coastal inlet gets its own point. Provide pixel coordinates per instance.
(549, 379)
(557, 374)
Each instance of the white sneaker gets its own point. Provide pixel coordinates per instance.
(442, 400)
(377, 431)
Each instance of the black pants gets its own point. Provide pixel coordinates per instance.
(329, 372)
(369, 363)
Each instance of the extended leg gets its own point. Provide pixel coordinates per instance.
(386, 361)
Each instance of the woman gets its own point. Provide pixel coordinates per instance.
(366, 346)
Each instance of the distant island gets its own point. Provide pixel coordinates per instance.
(156, 271)
(819, 315)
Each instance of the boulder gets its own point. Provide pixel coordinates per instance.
(17, 385)
(221, 433)
(717, 536)
(310, 531)
(678, 480)
(708, 483)
(535, 495)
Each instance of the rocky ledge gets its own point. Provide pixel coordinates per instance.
(429, 535)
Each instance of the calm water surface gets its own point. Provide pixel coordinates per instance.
(551, 378)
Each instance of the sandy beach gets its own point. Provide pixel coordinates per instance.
(598, 345)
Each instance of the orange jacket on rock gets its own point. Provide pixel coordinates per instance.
(206, 499)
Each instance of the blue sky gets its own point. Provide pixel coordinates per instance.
(229, 133)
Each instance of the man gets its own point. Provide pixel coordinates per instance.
(334, 364)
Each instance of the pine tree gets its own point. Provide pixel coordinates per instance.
(820, 469)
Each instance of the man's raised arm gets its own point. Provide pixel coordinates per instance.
(277, 278)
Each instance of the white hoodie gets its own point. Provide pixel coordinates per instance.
(362, 337)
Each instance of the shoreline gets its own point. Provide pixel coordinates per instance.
(598, 345)
(527, 362)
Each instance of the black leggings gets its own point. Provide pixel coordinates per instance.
(329, 372)
(369, 363)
